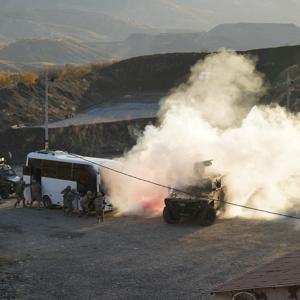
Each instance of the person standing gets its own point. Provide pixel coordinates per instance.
(36, 193)
(70, 197)
(99, 204)
(65, 193)
(20, 193)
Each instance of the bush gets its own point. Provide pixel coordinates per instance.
(28, 78)
(10, 79)
(6, 79)
(70, 71)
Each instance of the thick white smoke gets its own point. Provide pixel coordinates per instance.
(214, 116)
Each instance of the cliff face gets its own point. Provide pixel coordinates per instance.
(99, 140)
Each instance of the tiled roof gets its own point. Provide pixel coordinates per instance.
(281, 272)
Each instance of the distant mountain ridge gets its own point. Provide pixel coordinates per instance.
(255, 35)
(94, 20)
(67, 23)
(34, 51)
(241, 36)
(27, 53)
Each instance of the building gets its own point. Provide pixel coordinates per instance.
(277, 280)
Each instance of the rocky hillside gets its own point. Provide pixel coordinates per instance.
(100, 140)
(279, 90)
(154, 73)
(23, 104)
(140, 75)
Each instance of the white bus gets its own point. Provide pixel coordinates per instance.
(55, 170)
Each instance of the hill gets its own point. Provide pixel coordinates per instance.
(244, 36)
(67, 23)
(33, 51)
(140, 75)
(199, 15)
(241, 36)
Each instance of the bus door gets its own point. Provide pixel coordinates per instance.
(27, 177)
(86, 178)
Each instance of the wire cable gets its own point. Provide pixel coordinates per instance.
(184, 192)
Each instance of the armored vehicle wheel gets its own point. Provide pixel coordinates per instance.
(169, 217)
(47, 202)
(207, 216)
(4, 193)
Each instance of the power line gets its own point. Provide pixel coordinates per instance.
(184, 192)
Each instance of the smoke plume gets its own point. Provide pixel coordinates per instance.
(214, 115)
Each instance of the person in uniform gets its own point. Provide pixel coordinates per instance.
(85, 202)
(99, 203)
(70, 197)
(20, 193)
(65, 193)
(36, 193)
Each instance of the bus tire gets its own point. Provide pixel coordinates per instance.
(47, 202)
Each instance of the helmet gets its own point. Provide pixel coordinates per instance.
(89, 193)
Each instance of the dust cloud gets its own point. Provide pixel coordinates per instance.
(215, 115)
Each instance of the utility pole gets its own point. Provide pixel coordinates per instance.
(288, 96)
(46, 112)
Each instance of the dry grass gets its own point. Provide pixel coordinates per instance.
(8, 79)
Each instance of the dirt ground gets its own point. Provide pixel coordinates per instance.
(45, 254)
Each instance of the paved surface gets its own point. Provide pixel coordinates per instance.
(127, 107)
(47, 255)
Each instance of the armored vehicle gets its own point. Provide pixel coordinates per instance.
(199, 203)
(8, 180)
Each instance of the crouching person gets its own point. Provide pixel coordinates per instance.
(99, 204)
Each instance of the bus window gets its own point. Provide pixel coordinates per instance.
(64, 171)
(92, 177)
(35, 163)
(27, 170)
(86, 178)
(80, 174)
(49, 169)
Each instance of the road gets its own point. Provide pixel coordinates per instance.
(45, 254)
(127, 107)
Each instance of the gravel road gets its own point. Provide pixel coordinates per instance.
(45, 254)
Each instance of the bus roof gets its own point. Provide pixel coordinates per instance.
(69, 158)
